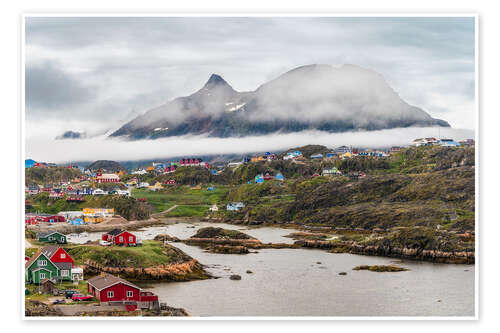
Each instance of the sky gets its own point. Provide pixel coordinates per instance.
(92, 74)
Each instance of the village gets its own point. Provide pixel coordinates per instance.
(186, 188)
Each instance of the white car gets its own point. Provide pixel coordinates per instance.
(104, 243)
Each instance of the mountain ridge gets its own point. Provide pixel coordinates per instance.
(317, 96)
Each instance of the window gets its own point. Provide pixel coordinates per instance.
(64, 272)
(42, 276)
(121, 239)
(130, 293)
(111, 294)
(42, 262)
(130, 239)
(63, 255)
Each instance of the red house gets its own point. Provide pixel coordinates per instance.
(110, 288)
(120, 237)
(52, 218)
(57, 254)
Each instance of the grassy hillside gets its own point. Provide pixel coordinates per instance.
(40, 176)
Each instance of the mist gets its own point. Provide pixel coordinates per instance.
(62, 151)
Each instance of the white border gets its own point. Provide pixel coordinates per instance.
(267, 14)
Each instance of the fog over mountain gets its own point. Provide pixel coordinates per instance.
(312, 97)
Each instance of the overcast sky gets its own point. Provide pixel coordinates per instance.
(92, 74)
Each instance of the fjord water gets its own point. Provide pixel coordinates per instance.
(305, 282)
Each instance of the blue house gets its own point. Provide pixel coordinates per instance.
(29, 163)
(211, 188)
(214, 172)
(259, 179)
(317, 156)
(234, 206)
(279, 176)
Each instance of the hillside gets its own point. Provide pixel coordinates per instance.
(40, 176)
(107, 166)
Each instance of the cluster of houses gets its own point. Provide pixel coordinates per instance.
(170, 167)
(442, 142)
(261, 178)
(52, 265)
(85, 216)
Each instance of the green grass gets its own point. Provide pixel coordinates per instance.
(183, 196)
(151, 253)
(189, 211)
(34, 295)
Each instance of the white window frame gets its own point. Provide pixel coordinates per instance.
(130, 293)
(120, 239)
(111, 294)
(64, 272)
(42, 263)
(63, 255)
(42, 276)
(130, 239)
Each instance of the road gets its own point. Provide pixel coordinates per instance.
(165, 211)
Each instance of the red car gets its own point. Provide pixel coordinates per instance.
(81, 297)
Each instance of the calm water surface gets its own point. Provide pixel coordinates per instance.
(305, 282)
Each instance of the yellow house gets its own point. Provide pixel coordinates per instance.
(155, 187)
(104, 212)
(346, 155)
(93, 219)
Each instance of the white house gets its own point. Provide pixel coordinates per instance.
(214, 208)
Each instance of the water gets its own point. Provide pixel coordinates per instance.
(291, 282)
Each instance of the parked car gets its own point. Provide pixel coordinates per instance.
(81, 297)
(104, 243)
(70, 292)
(59, 301)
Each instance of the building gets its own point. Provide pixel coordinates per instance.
(279, 177)
(111, 289)
(259, 179)
(29, 163)
(316, 156)
(292, 155)
(343, 150)
(395, 149)
(69, 215)
(51, 237)
(448, 143)
(107, 178)
(155, 187)
(77, 274)
(39, 267)
(425, 142)
(331, 172)
(214, 208)
(104, 212)
(234, 206)
(120, 237)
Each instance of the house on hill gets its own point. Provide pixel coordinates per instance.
(259, 179)
(51, 237)
(107, 178)
(120, 237)
(316, 156)
(29, 163)
(234, 206)
(279, 177)
(214, 208)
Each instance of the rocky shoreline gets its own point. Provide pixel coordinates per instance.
(462, 257)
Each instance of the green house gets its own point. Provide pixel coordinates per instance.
(40, 267)
(52, 237)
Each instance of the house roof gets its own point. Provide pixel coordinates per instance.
(45, 234)
(32, 259)
(63, 265)
(106, 280)
(115, 232)
(49, 250)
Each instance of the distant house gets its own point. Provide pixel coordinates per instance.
(29, 163)
(448, 143)
(211, 188)
(120, 237)
(51, 237)
(343, 150)
(279, 176)
(468, 142)
(140, 172)
(98, 191)
(214, 208)
(107, 178)
(234, 206)
(259, 179)
(395, 149)
(104, 212)
(234, 164)
(71, 214)
(123, 192)
(345, 155)
(330, 172)
(330, 155)
(425, 142)
(170, 182)
(157, 186)
(316, 156)
(292, 155)
(32, 190)
(143, 185)
(268, 176)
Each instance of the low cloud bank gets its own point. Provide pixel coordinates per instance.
(61, 151)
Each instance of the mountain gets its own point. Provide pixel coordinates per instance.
(106, 166)
(320, 97)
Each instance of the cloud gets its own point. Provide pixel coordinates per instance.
(50, 87)
(96, 148)
(134, 64)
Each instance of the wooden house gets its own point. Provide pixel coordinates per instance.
(51, 237)
(120, 237)
(40, 267)
(57, 254)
